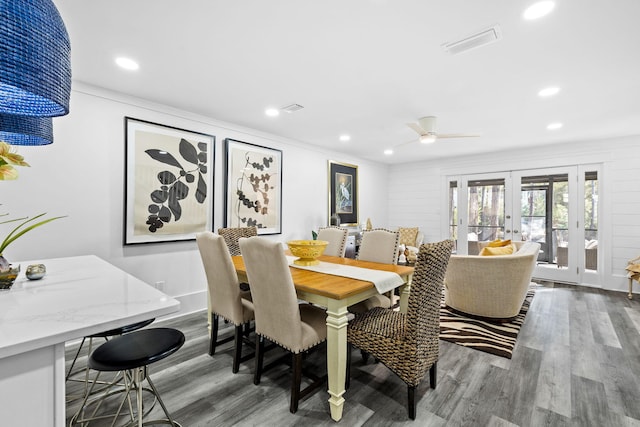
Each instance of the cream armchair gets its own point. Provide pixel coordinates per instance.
(491, 287)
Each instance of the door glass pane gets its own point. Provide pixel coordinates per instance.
(544, 216)
(591, 220)
(453, 213)
(486, 212)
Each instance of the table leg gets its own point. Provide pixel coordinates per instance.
(630, 288)
(404, 295)
(336, 355)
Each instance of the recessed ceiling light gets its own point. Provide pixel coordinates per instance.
(127, 63)
(345, 138)
(272, 112)
(554, 126)
(538, 10)
(549, 91)
(388, 152)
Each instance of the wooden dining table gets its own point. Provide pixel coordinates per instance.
(336, 293)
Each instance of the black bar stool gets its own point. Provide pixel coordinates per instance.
(106, 335)
(131, 354)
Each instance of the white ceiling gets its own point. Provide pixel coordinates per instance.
(367, 67)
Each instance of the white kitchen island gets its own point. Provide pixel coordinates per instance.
(79, 296)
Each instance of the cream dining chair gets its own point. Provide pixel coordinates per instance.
(279, 318)
(337, 238)
(377, 245)
(226, 299)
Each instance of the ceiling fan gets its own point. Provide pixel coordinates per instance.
(426, 128)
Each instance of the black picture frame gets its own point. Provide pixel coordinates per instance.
(169, 182)
(253, 187)
(343, 192)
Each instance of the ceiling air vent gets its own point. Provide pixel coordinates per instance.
(473, 41)
(292, 108)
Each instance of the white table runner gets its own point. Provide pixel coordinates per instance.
(384, 281)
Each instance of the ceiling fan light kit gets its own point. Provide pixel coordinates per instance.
(428, 138)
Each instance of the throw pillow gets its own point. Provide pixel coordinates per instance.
(494, 251)
(499, 243)
(408, 236)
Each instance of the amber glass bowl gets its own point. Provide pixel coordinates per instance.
(307, 251)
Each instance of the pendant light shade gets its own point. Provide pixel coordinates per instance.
(26, 130)
(35, 70)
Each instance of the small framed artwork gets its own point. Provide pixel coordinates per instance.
(168, 182)
(343, 192)
(253, 187)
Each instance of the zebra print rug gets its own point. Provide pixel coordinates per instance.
(494, 338)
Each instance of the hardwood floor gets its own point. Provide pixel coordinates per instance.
(576, 363)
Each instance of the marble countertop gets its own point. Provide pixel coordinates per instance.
(79, 296)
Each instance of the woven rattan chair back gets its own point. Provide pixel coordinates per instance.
(231, 236)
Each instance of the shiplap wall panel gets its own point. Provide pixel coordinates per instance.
(422, 203)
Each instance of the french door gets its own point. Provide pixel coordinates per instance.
(555, 207)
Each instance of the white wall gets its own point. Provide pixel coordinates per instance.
(418, 193)
(81, 175)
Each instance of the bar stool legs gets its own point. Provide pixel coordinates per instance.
(131, 354)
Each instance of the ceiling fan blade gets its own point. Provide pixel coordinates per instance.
(416, 128)
(458, 135)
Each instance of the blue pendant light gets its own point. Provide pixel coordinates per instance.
(35, 63)
(25, 130)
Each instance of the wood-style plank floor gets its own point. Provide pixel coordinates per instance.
(576, 363)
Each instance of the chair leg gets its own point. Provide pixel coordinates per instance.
(433, 373)
(365, 356)
(411, 400)
(295, 383)
(214, 334)
(259, 359)
(347, 380)
(237, 353)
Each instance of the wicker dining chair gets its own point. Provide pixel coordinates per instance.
(295, 327)
(226, 299)
(377, 245)
(337, 238)
(407, 343)
(231, 236)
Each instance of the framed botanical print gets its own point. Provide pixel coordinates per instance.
(168, 182)
(343, 192)
(253, 187)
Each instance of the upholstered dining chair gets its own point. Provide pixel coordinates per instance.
(226, 300)
(408, 344)
(337, 238)
(377, 245)
(279, 318)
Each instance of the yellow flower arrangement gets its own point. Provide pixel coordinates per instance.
(8, 159)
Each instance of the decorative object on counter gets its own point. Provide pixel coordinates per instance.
(8, 275)
(314, 235)
(335, 220)
(307, 251)
(36, 59)
(18, 231)
(369, 226)
(35, 271)
(343, 192)
(401, 258)
(8, 159)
